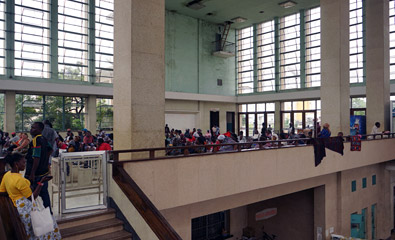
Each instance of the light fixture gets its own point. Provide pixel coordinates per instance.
(195, 4)
(287, 4)
(239, 19)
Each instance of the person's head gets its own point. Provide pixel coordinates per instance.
(377, 124)
(16, 161)
(13, 134)
(88, 133)
(221, 138)
(20, 134)
(340, 134)
(241, 133)
(77, 139)
(6, 134)
(25, 136)
(326, 125)
(100, 141)
(36, 128)
(47, 122)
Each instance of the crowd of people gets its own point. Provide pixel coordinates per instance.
(213, 136)
(83, 140)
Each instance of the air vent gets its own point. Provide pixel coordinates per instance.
(219, 82)
(239, 19)
(195, 5)
(287, 4)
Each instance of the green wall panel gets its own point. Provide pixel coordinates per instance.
(190, 67)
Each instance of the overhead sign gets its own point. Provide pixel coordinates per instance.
(265, 214)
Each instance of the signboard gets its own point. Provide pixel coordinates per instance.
(265, 214)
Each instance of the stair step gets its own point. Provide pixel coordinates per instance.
(90, 218)
(91, 230)
(119, 235)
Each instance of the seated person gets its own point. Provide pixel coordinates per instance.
(23, 144)
(75, 145)
(102, 146)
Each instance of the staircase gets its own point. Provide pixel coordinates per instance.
(99, 226)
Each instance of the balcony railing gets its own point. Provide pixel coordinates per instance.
(149, 154)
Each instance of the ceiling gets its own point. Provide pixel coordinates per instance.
(225, 10)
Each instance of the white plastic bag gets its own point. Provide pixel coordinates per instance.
(42, 220)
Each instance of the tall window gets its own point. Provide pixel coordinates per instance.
(73, 40)
(2, 111)
(211, 226)
(32, 38)
(104, 114)
(266, 57)
(29, 109)
(253, 115)
(392, 38)
(301, 113)
(2, 37)
(245, 60)
(356, 42)
(290, 51)
(104, 41)
(63, 112)
(313, 47)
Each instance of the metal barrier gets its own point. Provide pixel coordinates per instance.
(80, 181)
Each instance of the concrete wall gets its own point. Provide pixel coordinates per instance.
(177, 182)
(294, 219)
(190, 67)
(202, 111)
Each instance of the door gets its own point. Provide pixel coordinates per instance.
(309, 120)
(374, 221)
(230, 121)
(356, 225)
(214, 118)
(298, 121)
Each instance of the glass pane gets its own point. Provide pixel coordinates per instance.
(298, 121)
(104, 114)
(270, 107)
(251, 122)
(270, 120)
(309, 105)
(260, 107)
(318, 104)
(358, 102)
(309, 120)
(297, 105)
(286, 121)
(54, 111)
(287, 106)
(359, 113)
(242, 121)
(251, 107)
(261, 119)
(243, 108)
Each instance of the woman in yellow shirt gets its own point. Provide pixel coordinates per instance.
(18, 189)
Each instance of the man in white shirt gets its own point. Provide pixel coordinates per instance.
(375, 130)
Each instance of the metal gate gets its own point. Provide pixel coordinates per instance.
(81, 181)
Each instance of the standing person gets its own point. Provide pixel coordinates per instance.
(50, 134)
(18, 189)
(325, 133)
(37, 157)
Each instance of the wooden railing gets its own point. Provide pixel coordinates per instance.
(11, 226)
(141, 202)
(149, 154)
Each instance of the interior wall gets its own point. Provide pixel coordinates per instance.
(294, 219)
(190, 66)
(200, 110)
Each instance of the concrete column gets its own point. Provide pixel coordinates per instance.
(90, 120)
(377, 64)
(10, 108)
(139, 70)
(335, 83)
(277, 116)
